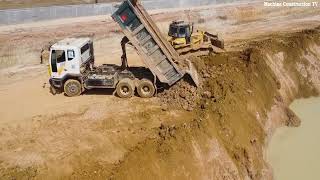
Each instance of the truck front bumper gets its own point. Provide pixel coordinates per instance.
(56, 83)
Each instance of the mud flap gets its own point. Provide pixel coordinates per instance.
(192, 72)
(53, 90)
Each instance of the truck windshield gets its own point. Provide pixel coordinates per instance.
(61, 56)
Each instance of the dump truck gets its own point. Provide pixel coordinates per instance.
(72, 69)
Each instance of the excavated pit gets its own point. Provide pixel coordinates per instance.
(243, 98)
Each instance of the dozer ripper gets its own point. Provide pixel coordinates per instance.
(73, 71)
(188, 41)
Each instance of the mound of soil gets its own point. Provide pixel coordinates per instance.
(182, 95)
(232, 110)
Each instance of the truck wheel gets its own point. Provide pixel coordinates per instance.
(125, 88)
(146, 89)
(72, 88)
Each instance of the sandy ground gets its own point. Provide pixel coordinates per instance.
(39, 129)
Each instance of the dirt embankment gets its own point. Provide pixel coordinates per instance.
(218, 131)
(243, 98)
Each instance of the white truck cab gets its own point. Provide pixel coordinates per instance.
(72, 71)
(67, 57)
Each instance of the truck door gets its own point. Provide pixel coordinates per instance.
(58, 62)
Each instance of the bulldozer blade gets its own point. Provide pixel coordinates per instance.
(210, 35)
(193, 73)
(217, 43)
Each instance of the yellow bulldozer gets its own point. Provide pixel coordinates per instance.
(187, 41)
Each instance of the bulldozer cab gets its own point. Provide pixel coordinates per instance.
(180, 29)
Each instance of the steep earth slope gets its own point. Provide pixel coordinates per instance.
(244, 97)
(218, 131)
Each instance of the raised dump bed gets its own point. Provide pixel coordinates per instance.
(157, 54)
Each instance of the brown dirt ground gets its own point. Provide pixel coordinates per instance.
(232, 107)
(216, 132)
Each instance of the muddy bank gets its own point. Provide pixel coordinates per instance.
(243, 98)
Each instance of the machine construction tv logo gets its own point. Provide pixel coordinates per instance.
(291, 4)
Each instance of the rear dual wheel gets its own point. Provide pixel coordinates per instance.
(146, 88)
(125, 88)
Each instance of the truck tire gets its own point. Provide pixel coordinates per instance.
(125, 88)
(72, 88)
(146, 89)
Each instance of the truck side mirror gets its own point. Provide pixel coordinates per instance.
(71, 55)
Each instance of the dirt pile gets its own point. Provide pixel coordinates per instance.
(223, 141)
(226, 138)
(182, 95)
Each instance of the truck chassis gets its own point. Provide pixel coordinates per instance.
(125, 80)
